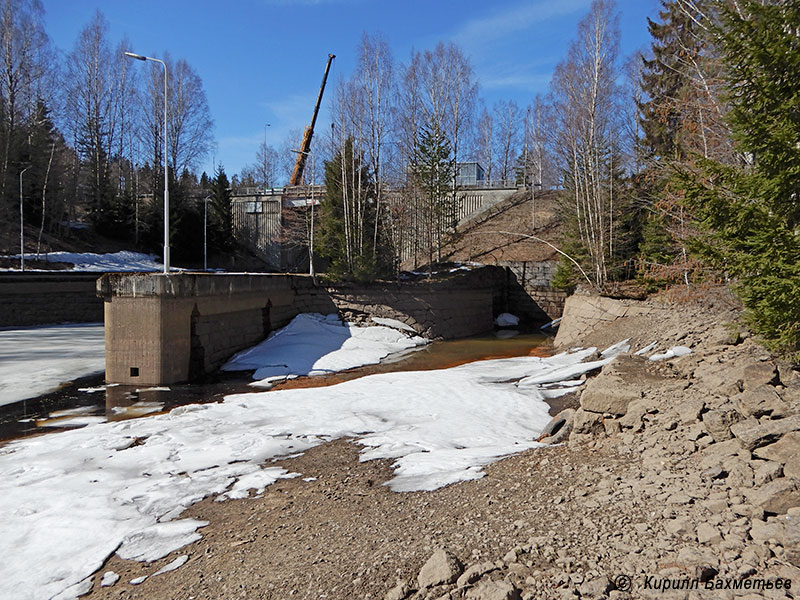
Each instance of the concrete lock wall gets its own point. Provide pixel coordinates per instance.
(166, 329)
(34, 298)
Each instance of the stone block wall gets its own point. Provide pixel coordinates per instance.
(33, 298)
(528, 290)
(216, 337)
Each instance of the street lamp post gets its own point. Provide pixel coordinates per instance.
(265, 153)
(21, 224)
(205, 233)
(311, 235)
(166, 176)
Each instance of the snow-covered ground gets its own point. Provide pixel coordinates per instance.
(89, 261)
(71, 499)
(313, 344)
(37, 360)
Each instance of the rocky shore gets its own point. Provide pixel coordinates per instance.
(677, 478)
(702, 496)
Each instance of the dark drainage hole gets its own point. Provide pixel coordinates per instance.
(134, 371)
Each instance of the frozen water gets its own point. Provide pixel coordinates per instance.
(37, 360)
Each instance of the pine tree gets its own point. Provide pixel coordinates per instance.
(751, 214)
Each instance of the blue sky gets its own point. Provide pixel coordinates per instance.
(262, 61)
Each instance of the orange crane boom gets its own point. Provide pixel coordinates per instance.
(305, 146)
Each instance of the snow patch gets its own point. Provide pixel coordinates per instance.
(175, 564)
(158, 540)
(646, 349)
(258, 479)
(394, 324)
(506, 320)
(92, 262)
(314, 344)
(438, 427)
(672, 353)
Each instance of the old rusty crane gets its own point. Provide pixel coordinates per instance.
(305, 146)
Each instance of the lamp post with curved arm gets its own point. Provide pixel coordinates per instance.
(166, 177)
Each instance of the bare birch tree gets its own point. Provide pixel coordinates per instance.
(92, 107)
(507, 130)
(484, 143)
(26, 62)
(585, 100)
(373, 86)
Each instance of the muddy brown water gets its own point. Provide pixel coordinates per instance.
(88, 400)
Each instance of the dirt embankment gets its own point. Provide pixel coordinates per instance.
(681, 472)
(502, 233)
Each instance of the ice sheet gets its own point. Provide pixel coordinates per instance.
(37, 360)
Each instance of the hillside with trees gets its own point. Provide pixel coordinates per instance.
(81, 139)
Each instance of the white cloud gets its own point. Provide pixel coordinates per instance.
(524, 80)
(510, 20)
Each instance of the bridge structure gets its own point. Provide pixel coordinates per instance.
(259, 221)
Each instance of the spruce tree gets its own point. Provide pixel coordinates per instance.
(221, 232)
(347, 218)
(434, 170)
(666, 80)
(668, 117)
(751, 214)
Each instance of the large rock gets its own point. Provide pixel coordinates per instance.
(708, 534)
(690, 410)
(720, 454)
(475, 572)
(753, 433)
(617, 385)
(494, 590)
(586, 422)
(596, 587)
(784, 530)
(584, 315)
(777, 496)
(398, 592)
(760, 401)
(442, 567)
(757, 373)
(765, 471)
(719, 420)
(729, 379)
(785, 451)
